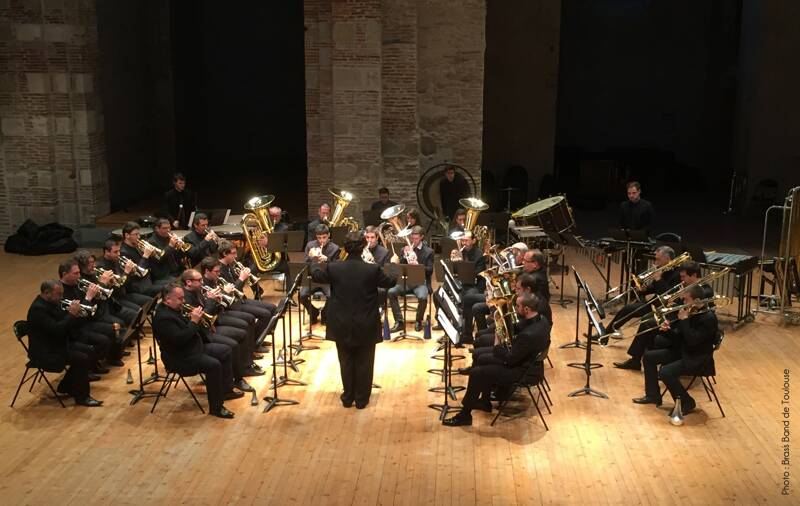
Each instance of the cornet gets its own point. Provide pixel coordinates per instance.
(85, 311)
(206, 320)
(116, 279)
(252, 280)
(180, 243)
(142, 246)
(225, 299)
(102, 293)
(138, 271)
(230, 288)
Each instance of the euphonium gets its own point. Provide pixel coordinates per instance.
(116, 279)
(142, 245)
(102, 293)
(85, 312)
(137, 270)
(254, 225)
(180, 243)
(252, 280)
(206, 320)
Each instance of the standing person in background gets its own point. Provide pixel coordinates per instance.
(636, 213)
(179, 202)
(452, 188)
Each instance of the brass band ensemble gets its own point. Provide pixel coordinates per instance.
(203, 290)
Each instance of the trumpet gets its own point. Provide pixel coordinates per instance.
(143, 245)
(85, 312)
(138, 271)
(252, 280)
(180, 243)
(116, 279)
(206, 320)
(225, 299)
(102, 293)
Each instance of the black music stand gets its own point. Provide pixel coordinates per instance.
(338, 234)
(561, 239)
(137, 324)
(587, 366)
(372, 218)
(455, 318)
(285, 357)
(295, 269)
(632, 240)
(452, 335)
(273, 400)
(411, 275)
(444, 275)
(446, 246)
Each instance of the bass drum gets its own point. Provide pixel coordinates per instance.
(553, 214)
(428, 198)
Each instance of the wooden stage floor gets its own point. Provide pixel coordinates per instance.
(395, 451)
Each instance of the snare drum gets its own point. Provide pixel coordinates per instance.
(552, 214)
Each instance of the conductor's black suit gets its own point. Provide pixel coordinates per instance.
(353, 320)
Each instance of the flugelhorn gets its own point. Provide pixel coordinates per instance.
(206, 320)
(138, 270)
(143, 245)
(102, 293)
(116, 279)
(85, 311)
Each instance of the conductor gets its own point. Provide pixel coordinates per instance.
(353, 320)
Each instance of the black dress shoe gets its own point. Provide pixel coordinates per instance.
(361, 405)
(461, 418)
(252, 370)
(99, 369)
(243, 386)
(417, 326)
(88, 402)
(221, 413)
(631, 363)
(346, 402)
(233, 394)
(94, 377)
(647, 400)
(115, 362)
(464, 371)
(397, 327)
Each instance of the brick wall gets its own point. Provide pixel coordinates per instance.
(52, 163)
(393, 87)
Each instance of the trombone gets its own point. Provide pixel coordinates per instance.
(102, 293)
(640, 281)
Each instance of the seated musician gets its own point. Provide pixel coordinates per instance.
(511, 362)
(472, 295)
(140, 252)
(230, 336)
(417, 254)
(111, 261)
(203, 241)
(178, 203)
(50, 346)
(662, 281)
(412, 218)
(323, 215)
(215, 287)
(183, 350)
(636, 213)
(278, 225)
(533, 263)
(171, 263)
(111, 310)
(319, 250)
(379, 254)
(689, 350)
(459, 220)
(689, 273)
(90, 330)
(235, 279)
(383, 201)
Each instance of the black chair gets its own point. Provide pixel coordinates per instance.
(528, 380)
(707, 375)
(177, 377)
(20, 331)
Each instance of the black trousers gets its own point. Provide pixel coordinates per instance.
(481, 380)
(243, 354)
(242, 321)
(305, 297)
(480, 311)
(647, 331)
(356, 364)
(632, 310)
(239, 360)
(80, 360)
(215, 364)
(260, 310)
(671, 370)
(471, 299)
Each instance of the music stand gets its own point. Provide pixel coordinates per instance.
(465, 272)
(561, 239)
(452, 335)
(372, 218)
(137, 324)
(445, 277)
(284, 358)
(411, 275)
(587, 366)
(273, 400)
(338, 234)
(447, 245)
(298, 270)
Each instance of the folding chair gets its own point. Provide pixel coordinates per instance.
(20, 331)
(528, 380)
(707, 375)
(176, 377)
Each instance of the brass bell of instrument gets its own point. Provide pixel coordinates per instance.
(676, 417)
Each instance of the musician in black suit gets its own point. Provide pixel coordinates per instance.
(472, 296)
(452, 188)
(171, 264)
(532, 339)
(111, 261)
(320, 250)
(323, 215)
(636, 213)
(131, 241)
(689, 273)
(110, 310)
(458, 222)
(261, 310)
(183, 350)
(416, 254)
(50, 346)
(383, 201)
(689, 350)
(278, 225)
(178, 203)
(353, 320)
(204, 241)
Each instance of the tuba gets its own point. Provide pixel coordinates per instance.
(254, 225)
(341, 199)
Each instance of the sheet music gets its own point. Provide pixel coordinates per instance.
(449, 330)
(451, 306)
